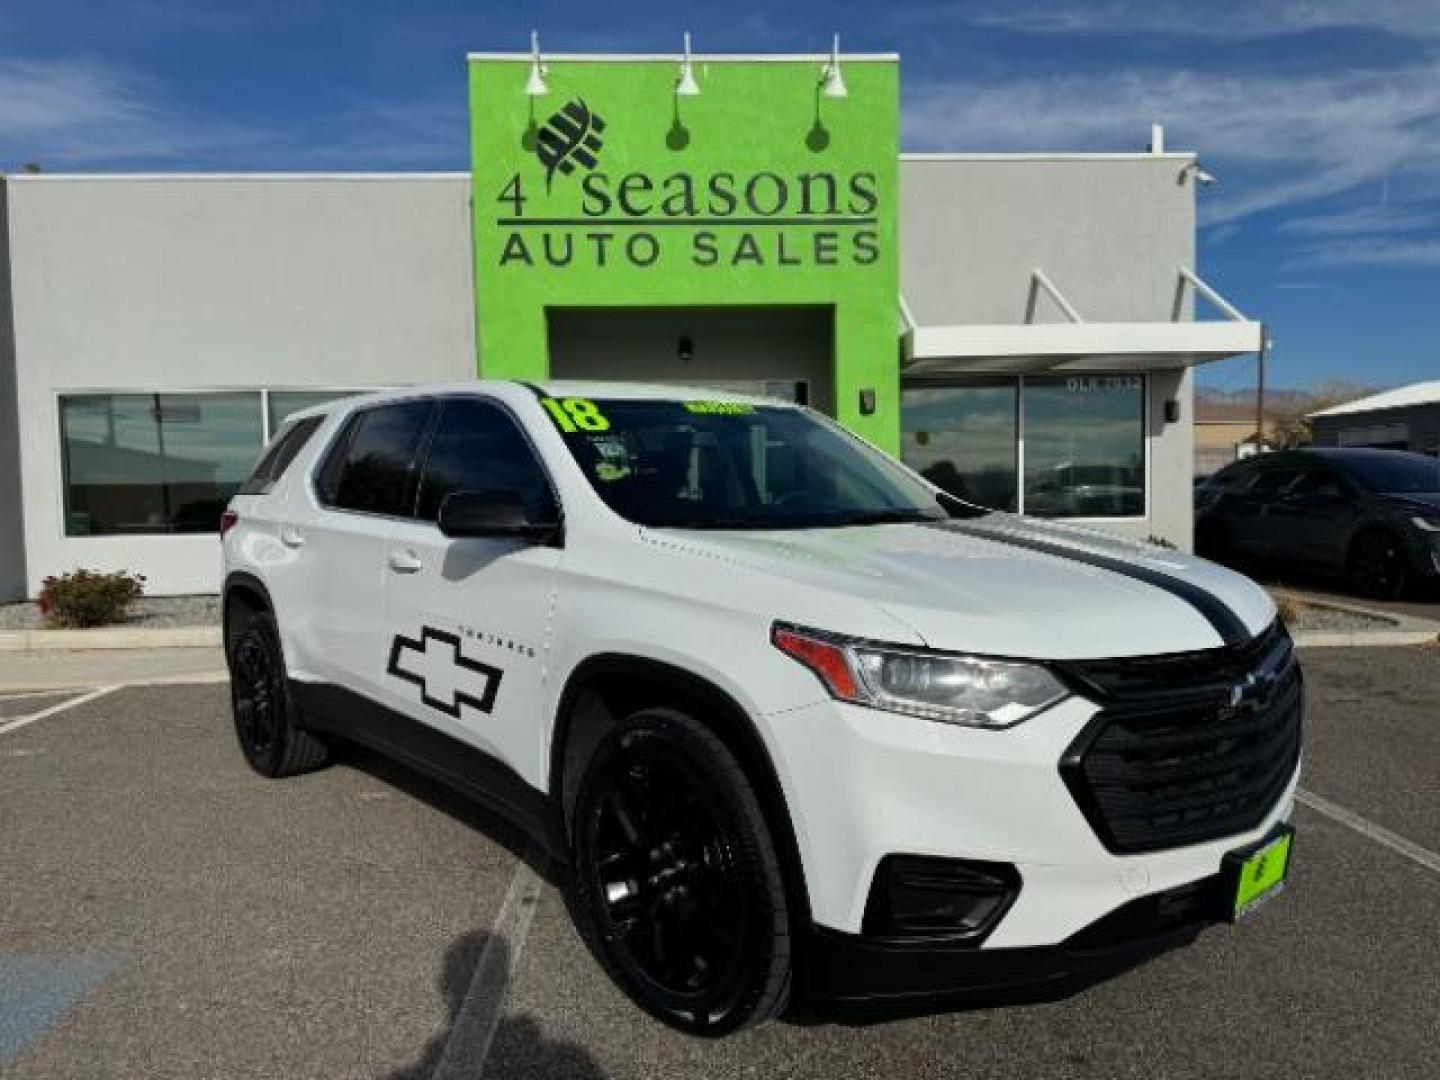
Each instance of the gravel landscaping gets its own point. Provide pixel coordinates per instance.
(1311, 619)
(152, 611)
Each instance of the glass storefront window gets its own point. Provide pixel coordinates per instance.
(155, 463)
(285, 402)
(1081, 439)
(1085, 446)
(964, 439)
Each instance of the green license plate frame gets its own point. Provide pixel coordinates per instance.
(1258, 873)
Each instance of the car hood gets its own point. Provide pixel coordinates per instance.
(997, 593)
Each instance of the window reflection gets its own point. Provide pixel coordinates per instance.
(1085, 446)
(155, 463)
(1083, 435)
(963, 439)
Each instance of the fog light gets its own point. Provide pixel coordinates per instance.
(921, 896)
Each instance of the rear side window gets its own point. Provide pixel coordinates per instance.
(371, 467)
(1274, 480)
(478, 447)
(283, 450)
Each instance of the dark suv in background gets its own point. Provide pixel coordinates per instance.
(1372, 516)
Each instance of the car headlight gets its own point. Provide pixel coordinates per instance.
(969, 690)
(1429, 525)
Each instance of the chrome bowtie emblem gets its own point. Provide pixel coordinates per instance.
(1254, 691)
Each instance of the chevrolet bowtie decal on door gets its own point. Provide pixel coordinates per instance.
(447, 680)
(571, 136)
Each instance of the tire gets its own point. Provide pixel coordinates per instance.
(266, 718)
(1377, 565)
(678, 885)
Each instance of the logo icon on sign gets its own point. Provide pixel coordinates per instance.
(570, 137)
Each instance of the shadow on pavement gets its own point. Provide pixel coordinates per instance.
(464, 810)
(540, 1055)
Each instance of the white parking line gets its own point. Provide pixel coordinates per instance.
(14, 725)
(20, 695)
(473, 1029)
(1365, 827)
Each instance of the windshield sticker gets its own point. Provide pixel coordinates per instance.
(575, 414)
(720, 408)
(608, 472)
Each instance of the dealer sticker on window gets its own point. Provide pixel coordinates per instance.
(1262, 872)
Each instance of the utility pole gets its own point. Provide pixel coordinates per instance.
(1260, 389)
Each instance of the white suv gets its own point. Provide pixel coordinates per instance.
(802, 725)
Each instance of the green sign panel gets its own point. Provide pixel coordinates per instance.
(612, 191)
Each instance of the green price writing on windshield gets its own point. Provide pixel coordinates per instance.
(574, 414)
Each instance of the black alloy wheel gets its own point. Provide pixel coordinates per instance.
(678, 878)
(1377, 566)
(265, 715)
(255, 687)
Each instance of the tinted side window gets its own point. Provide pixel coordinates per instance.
(1318, 482)
(372, 465)
(478, 447)
(1272, 481)
(283, 450)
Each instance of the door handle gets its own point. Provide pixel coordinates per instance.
(405, 562)
(290, 536)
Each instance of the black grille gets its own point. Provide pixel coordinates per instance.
(1172, 758)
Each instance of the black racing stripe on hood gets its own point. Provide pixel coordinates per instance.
(1217, 613)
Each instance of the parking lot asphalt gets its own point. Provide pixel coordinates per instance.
(165, 912)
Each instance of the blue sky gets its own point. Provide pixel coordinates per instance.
(1321, 118)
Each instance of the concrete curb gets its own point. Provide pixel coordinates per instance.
(112, 637)
(1366, 638)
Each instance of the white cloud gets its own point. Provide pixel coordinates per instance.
(1373, 251)
(1293, 138)
(84, 112)
(92, 114)
(1363, 220)
(1236, 19)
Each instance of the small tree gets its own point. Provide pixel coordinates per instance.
(1289, 425)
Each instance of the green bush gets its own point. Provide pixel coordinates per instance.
(89, 597)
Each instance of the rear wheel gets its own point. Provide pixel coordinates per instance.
(677, 876)
(264, 711)
(1377, 565)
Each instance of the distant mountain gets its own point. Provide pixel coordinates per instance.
(1212, 403)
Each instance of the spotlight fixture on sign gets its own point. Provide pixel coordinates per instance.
(831, 82)
(535, 85)
(686, 86)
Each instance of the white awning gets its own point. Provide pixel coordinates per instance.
(1076, 344)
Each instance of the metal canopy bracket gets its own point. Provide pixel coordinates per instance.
(1076, 344)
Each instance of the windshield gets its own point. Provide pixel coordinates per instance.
(1396, 472)
(726, 465)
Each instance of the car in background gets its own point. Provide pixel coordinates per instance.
(1372, 516)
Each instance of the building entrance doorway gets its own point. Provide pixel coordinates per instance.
(781, 352)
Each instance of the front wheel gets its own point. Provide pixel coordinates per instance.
(677, 876)
(1377, 566)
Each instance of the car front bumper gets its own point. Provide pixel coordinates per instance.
(863, 784)
(849, 969)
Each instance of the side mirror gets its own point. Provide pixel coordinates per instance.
(494, 514)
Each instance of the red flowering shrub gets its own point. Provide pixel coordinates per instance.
(89, 597)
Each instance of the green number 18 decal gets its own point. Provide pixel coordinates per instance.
(573, 414)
